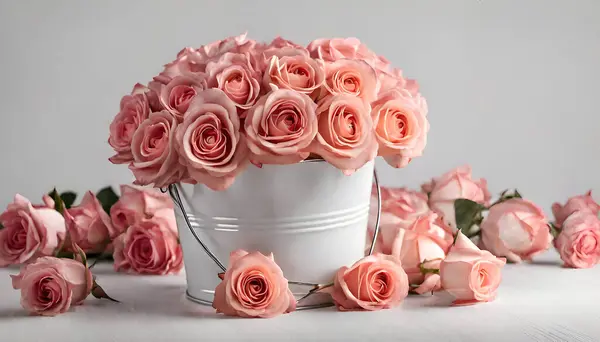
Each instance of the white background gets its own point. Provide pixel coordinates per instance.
(512, 85)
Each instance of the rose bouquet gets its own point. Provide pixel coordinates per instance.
(216, 109)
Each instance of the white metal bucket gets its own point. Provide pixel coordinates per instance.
(309, 215)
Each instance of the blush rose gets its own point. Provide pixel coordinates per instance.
(345, 138)
(136, 204)
(455, 184)
(29, 232)
(209, 140)
(155, 158)
(50, 286)
(583, 202)
(578, 242)
(401, 126)
(373, 283)
(281, 127)
(176, 95)
(89, 226)
(469, 274)
(350, 77)
(253, 286)
(150, 246)
(299, 73)
(516, 229)
(134, 109)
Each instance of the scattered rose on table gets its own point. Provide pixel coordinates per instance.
(453, 185)
(583, 202)
(135, 204)
(253, 286)
(469, 274)
(516, 229)
(578, 242)
(89, 225)
(150, 246)
(373, 283)
(29, 232)
(422, 246)
(50, 286)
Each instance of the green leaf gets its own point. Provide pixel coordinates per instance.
(107, 198)
(553, 230)
(59, 205)
(517, 194)
(68, 198)
(467, 214)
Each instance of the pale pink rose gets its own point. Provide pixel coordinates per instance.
(470, 274)
(134, 110)
(583, 202)
(279, 42)
(350, 77)
(400, 208)
(280, 127)
(150, 246)
(233, 44)
(401, 126)
(253, 286)
(300, 73)
(151, 96)
(236, 77)
(578, 242)
(334, 49)
(373, 283)
(452, 185)
(209, 140)
(29, 232)
(424, 240)
(50, 286)
(189, 62)
(136, 204)
(345, 139)
(176, 95)
(155, 158)
(89, 226)
(393, 79)
(516, 229)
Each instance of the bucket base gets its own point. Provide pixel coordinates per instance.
(307, 306)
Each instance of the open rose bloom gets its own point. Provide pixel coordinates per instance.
(230, 104)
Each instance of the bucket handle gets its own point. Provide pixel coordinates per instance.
(174, 193)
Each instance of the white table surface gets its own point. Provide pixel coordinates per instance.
(536, 302)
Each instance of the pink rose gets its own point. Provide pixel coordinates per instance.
(401, 126)
(300, 73)
(393, 79)
(351, 77)
(150, 246)
(136, 204)
(452, 185)
(373, 283)
(345, 138)
(50, 286)
(400, 208)
(576, 203)
(189, 62)
(209, 140)
(28, 232)
(334, 49)
(516, 229)
(134, 110)
(176, 96)
(280, 127)
(422, 241)
(236, 77)
(253, 286)
(470, 274)
(155, 158)
(432, 282)
(233, 44)
(150, 94)
(578, 242)
(89, 226)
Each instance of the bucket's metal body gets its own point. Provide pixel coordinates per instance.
(309, 215)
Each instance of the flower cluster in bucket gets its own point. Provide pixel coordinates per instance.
(217, 109)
